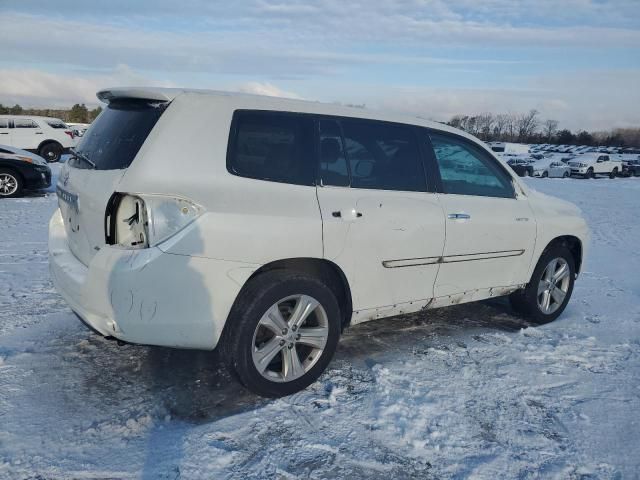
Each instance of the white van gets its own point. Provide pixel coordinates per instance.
(46, 136)
(265, 226)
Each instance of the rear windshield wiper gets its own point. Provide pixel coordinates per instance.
(83, 157)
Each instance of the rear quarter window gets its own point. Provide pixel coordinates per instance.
(57, 124)
(272, 146)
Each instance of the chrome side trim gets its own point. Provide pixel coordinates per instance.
(482, 256)
(469, 257)
(411, 262)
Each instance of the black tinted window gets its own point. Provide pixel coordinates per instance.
(383, 156)
(115, 137)
(272, 146)
(466, 169)
(333, 163)
(4, 123)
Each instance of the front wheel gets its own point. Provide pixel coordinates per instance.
(10, 184)
(590, 173)
(283, 332)
(565, 175)
(545, 174)
(547, 294)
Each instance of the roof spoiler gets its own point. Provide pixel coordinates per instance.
(154, 94)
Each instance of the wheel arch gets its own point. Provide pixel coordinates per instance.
(330, 273)
(47, 142)
(573, 244)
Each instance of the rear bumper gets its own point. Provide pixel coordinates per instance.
(145, 296)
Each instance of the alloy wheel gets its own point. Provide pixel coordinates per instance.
(290, 338)
(553, 286)
(8, 184)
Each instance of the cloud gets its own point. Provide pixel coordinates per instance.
(577, 100)
(267, 89)
(31, 87)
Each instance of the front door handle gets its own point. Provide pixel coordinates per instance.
(347, 215)
(458, 216)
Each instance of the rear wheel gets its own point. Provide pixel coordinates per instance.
(51, 152)
(565, 175)
(614, 173)
(545, 174)
(10, 184)
(547, 294)
(282, 332)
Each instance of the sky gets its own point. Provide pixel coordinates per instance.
(576, 61)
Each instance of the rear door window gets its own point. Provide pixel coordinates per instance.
(272, 146)
(383, 156)
(115, 137)
(24, 123)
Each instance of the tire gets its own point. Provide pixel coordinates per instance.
(255, 324)
(614, 173)
(11, 184)
(525, 173)
(527, 302)
(565, 175)
(51, 152)
(590, 173)
(545, 174)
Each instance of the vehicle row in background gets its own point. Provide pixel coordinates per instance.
(21, 170)
(582, 161)
(49, 137)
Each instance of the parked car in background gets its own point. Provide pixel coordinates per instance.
(551, 168)
(48, 137)
(590, 165)
(261, 243)
(509, 148)
(78, 129)
(631, 168)
(522, 167)
(21, 170)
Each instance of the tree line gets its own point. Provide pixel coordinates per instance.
(530, 128)
(79, 113)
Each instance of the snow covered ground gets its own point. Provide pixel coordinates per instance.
(470, 391)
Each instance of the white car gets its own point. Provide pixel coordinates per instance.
(265, 226)
(48, 137)
(589, 165)
(551, 168)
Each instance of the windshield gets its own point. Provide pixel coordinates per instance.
(114, 138)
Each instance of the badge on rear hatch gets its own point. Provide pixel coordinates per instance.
(69, 198)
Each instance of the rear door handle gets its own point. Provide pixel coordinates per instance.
(458, 216)
(347, 215)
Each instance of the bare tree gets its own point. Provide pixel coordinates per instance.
(500, 126)
(549, 129)
(511, 126)
(527, 124)
(485, 125)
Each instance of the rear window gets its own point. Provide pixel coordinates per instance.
(59, 124)
(272, 146)
(115, 137)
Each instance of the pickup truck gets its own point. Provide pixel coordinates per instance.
(589, 165)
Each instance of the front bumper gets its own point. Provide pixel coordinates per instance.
(145, 296)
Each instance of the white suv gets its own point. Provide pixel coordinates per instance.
(265, 226)
(589, 165)
(48, 137)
